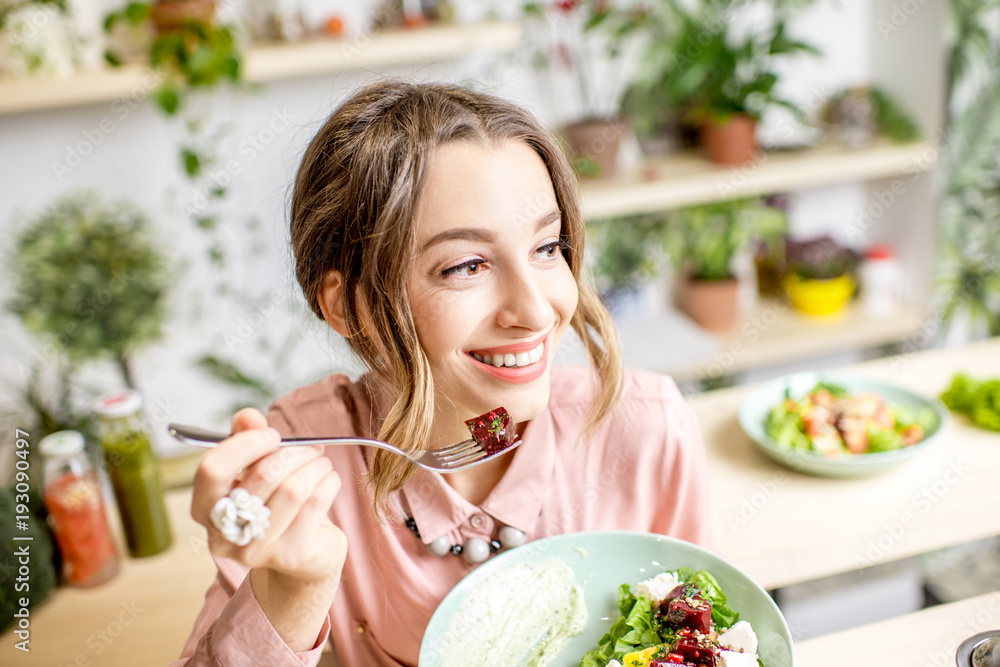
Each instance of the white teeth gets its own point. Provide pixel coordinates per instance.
(511, 360)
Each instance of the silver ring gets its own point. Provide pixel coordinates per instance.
(241, 517)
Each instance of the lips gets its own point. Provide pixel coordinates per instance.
(511, 359)
(521, 362)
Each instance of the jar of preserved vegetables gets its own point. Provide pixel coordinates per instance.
(134, 471)
(72, 493)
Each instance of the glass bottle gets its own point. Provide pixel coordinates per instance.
(72, 493)
(134, 471)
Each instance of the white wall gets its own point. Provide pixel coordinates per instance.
(137, 160)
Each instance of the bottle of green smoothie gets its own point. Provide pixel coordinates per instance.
(134, 471)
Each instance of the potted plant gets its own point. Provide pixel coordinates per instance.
(91, 277)
(572, 41)
(696, 72)
(819, 279)
(189, 47)
(626, 252)
(703, 240)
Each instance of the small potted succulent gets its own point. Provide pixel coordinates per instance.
(820, 275)
(703, 242)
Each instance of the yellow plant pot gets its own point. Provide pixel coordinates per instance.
(819, 297)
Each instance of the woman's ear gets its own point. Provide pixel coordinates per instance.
(331, 301)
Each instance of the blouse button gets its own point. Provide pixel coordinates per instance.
(478, 521)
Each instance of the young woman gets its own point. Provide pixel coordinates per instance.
(439, 231)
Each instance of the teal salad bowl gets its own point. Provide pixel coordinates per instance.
(754, 415)
(602, 561)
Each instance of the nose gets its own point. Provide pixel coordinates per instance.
(524, 301)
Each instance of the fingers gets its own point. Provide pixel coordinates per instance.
(297, 493)
(220, 465)
(246, 419)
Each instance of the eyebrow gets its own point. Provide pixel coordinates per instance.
(478, 234)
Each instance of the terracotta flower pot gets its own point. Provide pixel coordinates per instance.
(733, 142)
(713, 304)
(170, 15)
(597, 140)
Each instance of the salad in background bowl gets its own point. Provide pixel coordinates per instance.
(838, 426)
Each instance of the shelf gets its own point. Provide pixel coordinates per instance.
(771, 334)
(270, 63)
(686, 179)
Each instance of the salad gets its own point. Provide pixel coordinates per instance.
(831, 421)
(676, 618)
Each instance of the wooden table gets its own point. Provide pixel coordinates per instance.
(779, 526)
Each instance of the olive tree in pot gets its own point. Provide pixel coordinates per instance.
(702, 241)
(89, 281)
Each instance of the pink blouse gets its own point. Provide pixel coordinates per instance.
(643, 470)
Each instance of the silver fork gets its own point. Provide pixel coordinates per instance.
(452, 458)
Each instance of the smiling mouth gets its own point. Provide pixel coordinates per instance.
(511, 360)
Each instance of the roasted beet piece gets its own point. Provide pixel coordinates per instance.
(494, 431)
(695, 652)
(685, 607)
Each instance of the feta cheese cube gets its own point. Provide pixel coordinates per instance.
(613, 663)
(739, 638)
(657, 588)
(734, 659)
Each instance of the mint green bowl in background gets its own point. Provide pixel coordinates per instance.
(754, 411)
(603, 560)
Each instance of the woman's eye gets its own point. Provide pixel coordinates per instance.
(469, 268)
(553, 249)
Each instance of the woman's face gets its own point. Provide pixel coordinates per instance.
(490, 289)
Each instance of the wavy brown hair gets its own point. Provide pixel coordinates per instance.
(353, 210)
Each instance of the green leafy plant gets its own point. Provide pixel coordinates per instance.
(91, 278)
(978, 399)
(197, 54)
(694, 66)
(9, 7)
(967, 284)
(890, 119)
(704, 239)
(627, 250)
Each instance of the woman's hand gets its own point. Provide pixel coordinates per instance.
(296, 565)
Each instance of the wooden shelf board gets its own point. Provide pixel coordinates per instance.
(268, 62)
(772, 334)
(687, 178)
